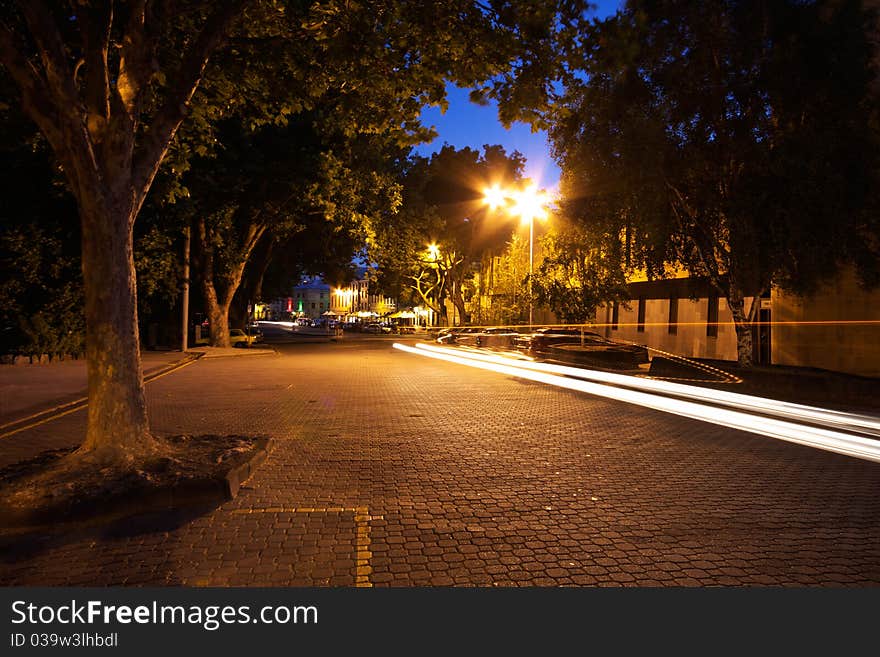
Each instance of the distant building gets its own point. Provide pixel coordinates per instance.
(353, 301)
(310, 299)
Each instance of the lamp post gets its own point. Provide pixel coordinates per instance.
(434, 255)
(529, 204)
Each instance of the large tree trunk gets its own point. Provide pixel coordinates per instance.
(117, 415)
(218, 316)
(742, 325)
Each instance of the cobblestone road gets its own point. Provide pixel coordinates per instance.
(391, 469)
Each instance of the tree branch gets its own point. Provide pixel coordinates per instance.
(134, 71)
(50, 47)
(39, 103)
(96, 43)
(177, 102)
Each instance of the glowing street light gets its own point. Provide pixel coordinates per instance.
(529, 204)
(494, 197)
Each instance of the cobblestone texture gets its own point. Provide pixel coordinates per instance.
(469, 478)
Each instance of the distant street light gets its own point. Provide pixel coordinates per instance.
(528, 204)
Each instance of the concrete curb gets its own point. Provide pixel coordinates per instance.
(231, 352)
(237, 476)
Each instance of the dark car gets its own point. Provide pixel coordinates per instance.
(496, 337)
(541, 338)
(456, 335)
(581, 346)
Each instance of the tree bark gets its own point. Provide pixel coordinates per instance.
(117, 415)
(742, 326)
(218, 316)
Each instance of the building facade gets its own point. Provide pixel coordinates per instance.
(838, 328)
(310, 299)
(354, 301)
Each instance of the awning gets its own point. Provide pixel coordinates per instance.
(330, 313)
(403, 314)
(366, 313)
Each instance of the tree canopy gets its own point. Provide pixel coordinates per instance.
(428, 249)
(730, 138)
(109, 84)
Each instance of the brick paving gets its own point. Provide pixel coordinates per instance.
(468, 478)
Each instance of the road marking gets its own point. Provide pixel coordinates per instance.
(362, 520)
(76, 405)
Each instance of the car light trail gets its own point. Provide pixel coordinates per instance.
(788, 410)
(817, 437)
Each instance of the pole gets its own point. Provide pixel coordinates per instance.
(531, 258)
(184, 319)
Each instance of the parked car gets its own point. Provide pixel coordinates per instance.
(541, 338)
(375, 327)
(497, 337)
(493, 336)
(451, 334)
(239, 338)
(583, 347)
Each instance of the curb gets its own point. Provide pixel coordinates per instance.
(237, 354)
(237, 476)
(137, 502)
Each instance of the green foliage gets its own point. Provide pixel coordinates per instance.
(578, 273)
(442, 205)
(157, 259)
(728, 137)
(501, 292)
(41, 294)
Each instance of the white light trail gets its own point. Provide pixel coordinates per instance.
(817, 437)
(824, 416)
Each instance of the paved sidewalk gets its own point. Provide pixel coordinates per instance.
(31, 388)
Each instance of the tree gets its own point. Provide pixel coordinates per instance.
(110, 83)
(501, 292)
(729, 138)
(273, 185)
(85, 79)
(41, 294)
(443, 228)
(578, 273)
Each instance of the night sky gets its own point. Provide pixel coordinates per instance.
(467, 124)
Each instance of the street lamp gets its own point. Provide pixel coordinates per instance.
(529, 204)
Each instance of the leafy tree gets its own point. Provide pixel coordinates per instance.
(443, 229)
(41, 292)
(501, 293)
(578, 273)
(730, 138)
(275, 184)
(109, 84)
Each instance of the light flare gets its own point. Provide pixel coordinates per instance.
(530, 204)
(494, 197)
(816, 437)
(840, 419)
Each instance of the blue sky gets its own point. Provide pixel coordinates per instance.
(467, 124)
